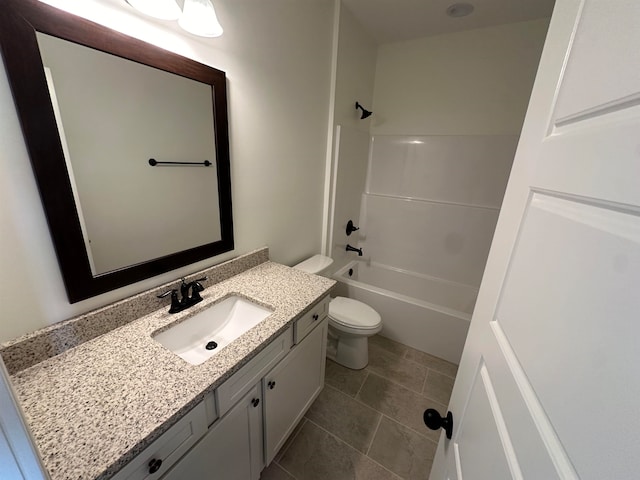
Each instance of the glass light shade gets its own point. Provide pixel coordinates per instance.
(199, 17)
(162, 9)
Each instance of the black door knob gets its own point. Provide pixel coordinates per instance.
(255, 402)
(434, 421)
(271, 385)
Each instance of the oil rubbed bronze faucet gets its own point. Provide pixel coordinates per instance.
(354, 249)
(186, 301)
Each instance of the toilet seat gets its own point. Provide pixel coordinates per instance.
(354, 315)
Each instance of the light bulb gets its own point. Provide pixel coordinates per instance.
(199, 17)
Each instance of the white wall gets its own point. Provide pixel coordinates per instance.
(476, 82)
(277, 56)
(356, 69)
(355, 75)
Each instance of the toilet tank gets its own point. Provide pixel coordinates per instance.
(318, 264)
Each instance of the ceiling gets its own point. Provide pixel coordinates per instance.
(398, 20)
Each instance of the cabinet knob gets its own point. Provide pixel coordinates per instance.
(154, 465)
(315, 317)
(271, 385)
(255, 402)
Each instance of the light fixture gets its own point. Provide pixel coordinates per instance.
(365, 113)
(196, 16)
(162, 9)
(199, 17)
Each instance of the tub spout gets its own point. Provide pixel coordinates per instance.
(354, 249)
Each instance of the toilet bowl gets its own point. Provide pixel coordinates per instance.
(351, 322)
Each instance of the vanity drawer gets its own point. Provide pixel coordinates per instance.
(167, 449)
(231, 391)
(310, 319)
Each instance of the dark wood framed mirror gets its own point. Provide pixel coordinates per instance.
(23, 23)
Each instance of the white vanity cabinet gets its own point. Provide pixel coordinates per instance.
(255, 411)
(231, 449)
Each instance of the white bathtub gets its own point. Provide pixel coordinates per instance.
(426, 313)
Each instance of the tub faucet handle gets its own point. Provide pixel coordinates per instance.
(351, 227)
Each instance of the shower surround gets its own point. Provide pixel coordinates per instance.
(427, 217)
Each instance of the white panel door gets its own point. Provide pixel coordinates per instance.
(549, 381)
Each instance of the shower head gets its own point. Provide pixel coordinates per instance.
(365, 113)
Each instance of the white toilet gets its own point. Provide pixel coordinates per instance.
(350, 322)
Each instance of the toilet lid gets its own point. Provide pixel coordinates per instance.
(353, 313)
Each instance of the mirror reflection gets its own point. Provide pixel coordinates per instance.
(113, 115)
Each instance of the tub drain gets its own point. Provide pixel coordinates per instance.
(211, 345)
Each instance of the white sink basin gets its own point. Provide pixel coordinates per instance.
(206, 333)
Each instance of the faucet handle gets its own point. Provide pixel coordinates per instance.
(197, 286)
(196, 289)
(175, 303)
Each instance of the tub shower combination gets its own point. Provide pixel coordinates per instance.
(412, 304)
(428, 207)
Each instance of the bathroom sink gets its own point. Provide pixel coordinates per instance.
(206, 333)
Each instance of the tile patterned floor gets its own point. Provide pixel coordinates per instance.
(367, 424)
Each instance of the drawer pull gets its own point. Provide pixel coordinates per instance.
(255, 402)
(315, 317)
(271, 385)
(154, 465)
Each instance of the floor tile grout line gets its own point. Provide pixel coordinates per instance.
(406, 353)
(421, 394)
(397, 383)
(353, 448)
(362, 384)
(373, 437)
(284, 470)
(424, 384)
(335, 436)
(416, 431)
(428, 368)
(374, 460)
(361, 403)
(412, 429)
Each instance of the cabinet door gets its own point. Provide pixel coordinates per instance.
(158, 457)
(232, 449)
(291, 387)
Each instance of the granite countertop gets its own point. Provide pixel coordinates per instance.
(93, 408)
